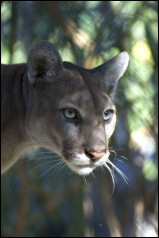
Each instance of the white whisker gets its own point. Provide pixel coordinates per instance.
(52, 156)
(123, 157)
(47, 152)
(84, 178)
(118, 170)
(41, 165)
(112, 175)
(120, 160)
(93, 175)
(61, 165)
(52, 167)
(113, 151)
(37, 158)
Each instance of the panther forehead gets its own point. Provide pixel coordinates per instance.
(85, 90)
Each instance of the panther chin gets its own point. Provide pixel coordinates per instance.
(82, 170)
(82, 165)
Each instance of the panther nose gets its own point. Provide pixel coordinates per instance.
(94, 155)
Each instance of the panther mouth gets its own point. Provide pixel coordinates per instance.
(82, 169)
(83, 165)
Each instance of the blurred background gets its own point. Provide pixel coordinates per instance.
(38, 200)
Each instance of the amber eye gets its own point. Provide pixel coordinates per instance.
(70, 113)
(107, 114)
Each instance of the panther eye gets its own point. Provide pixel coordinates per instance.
(107, 114)
(70, 113)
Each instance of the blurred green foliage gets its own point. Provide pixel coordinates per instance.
(88, 33)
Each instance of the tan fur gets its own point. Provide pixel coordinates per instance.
(35, 96)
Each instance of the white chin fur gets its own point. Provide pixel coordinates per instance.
(82, 165)
(81, 171)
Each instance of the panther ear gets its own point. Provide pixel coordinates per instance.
(44, 63)
(113, 70)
